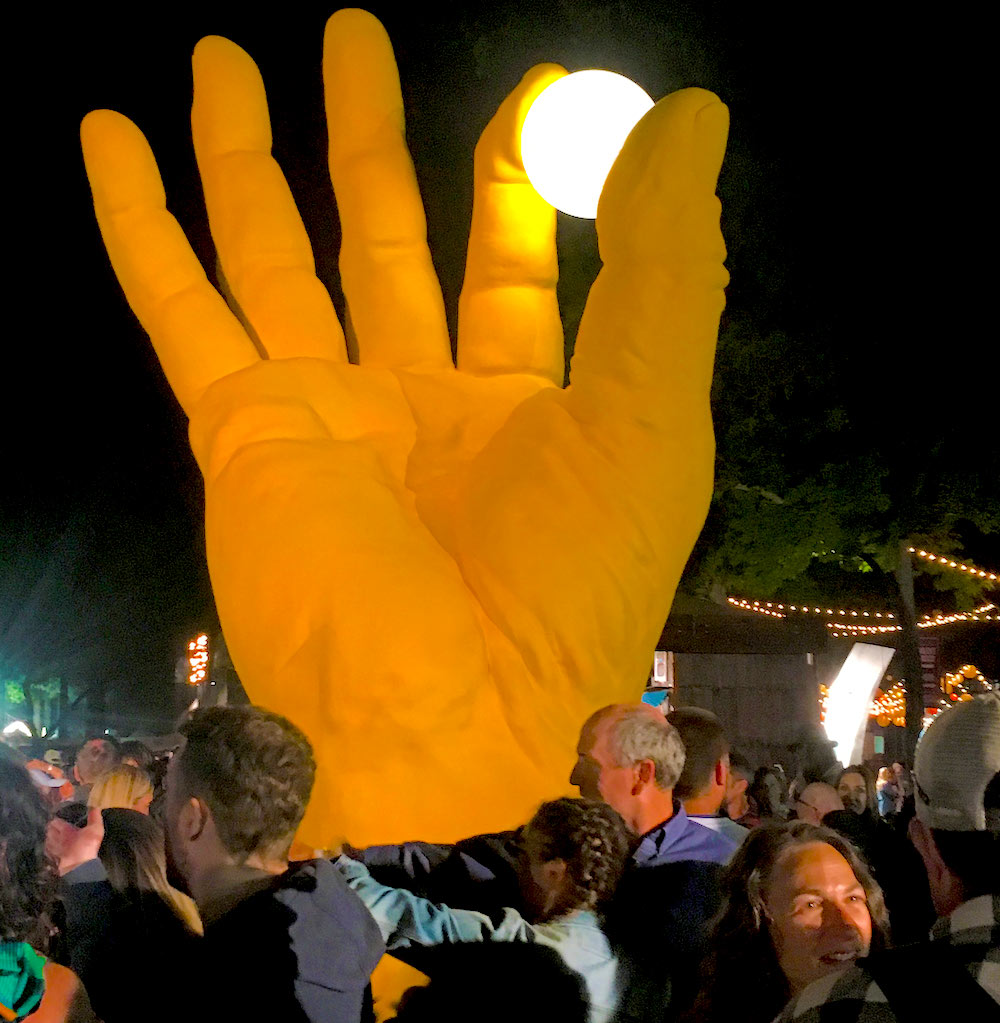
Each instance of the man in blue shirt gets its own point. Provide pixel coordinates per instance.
(631, 757)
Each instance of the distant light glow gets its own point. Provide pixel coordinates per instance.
(850, 698)
(198, 659)
(573, 133)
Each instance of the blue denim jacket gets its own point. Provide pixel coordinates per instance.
(406, 919)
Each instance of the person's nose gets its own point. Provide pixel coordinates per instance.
(839, 919)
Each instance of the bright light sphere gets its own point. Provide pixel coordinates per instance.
(574, 131)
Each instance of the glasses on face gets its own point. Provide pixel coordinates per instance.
(802, 802)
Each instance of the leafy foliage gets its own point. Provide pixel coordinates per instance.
(816, 487)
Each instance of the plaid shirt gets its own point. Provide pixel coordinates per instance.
(972, 932)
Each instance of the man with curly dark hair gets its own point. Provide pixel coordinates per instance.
(284, 942)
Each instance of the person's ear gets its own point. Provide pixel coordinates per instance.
(644, 776)
(739, 786)
(554, 872)
(192, 819)
(721, 775)
(946, 888)
(921, 837)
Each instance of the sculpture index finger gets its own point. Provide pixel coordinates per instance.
(196, 336)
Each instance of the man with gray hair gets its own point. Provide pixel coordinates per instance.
(631, 757)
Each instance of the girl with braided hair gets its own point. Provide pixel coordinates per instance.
(572, 857)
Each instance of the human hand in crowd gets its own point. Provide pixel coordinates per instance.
(436, 570)
(70, 846)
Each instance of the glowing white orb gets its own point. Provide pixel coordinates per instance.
(574, 131)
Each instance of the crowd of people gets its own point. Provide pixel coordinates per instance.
(681, 884)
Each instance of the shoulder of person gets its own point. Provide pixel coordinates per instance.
(851, 995)
(65, 999)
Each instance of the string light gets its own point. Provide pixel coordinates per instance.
(775, 610)
(850, 629)
(978, 615)
(943, 561)
(841, 618)
(198, 659)
(761, 608)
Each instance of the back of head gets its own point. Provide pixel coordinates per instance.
(255, 770)
(638, 732)
(705, 744)
(27, 877)
(593, 841)
(137, 753)
(497, 983)
(123, 786)
(957, 789)
(134, 857)
(822, 798)
(133, 851)
(96, 756)
(739, 765)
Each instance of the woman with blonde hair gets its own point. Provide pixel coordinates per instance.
(124, 786)
(134, 858)
(116, 926)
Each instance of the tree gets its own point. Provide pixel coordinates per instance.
(822, 483)
(24, 695)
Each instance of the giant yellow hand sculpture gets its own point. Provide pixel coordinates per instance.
(436, 571)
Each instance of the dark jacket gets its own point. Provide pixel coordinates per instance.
(300, 951)
(658, 926)
(657, 921)
(123, 947)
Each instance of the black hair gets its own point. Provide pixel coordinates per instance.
(871, 799)
(738, 764)
(28, 879)
(496, 983)
(137, 751)
(757, 791)
(705, 744)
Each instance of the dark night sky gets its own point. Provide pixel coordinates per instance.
(846, 169)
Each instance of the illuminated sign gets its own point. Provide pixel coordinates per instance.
(198, 659)
(850, 698)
